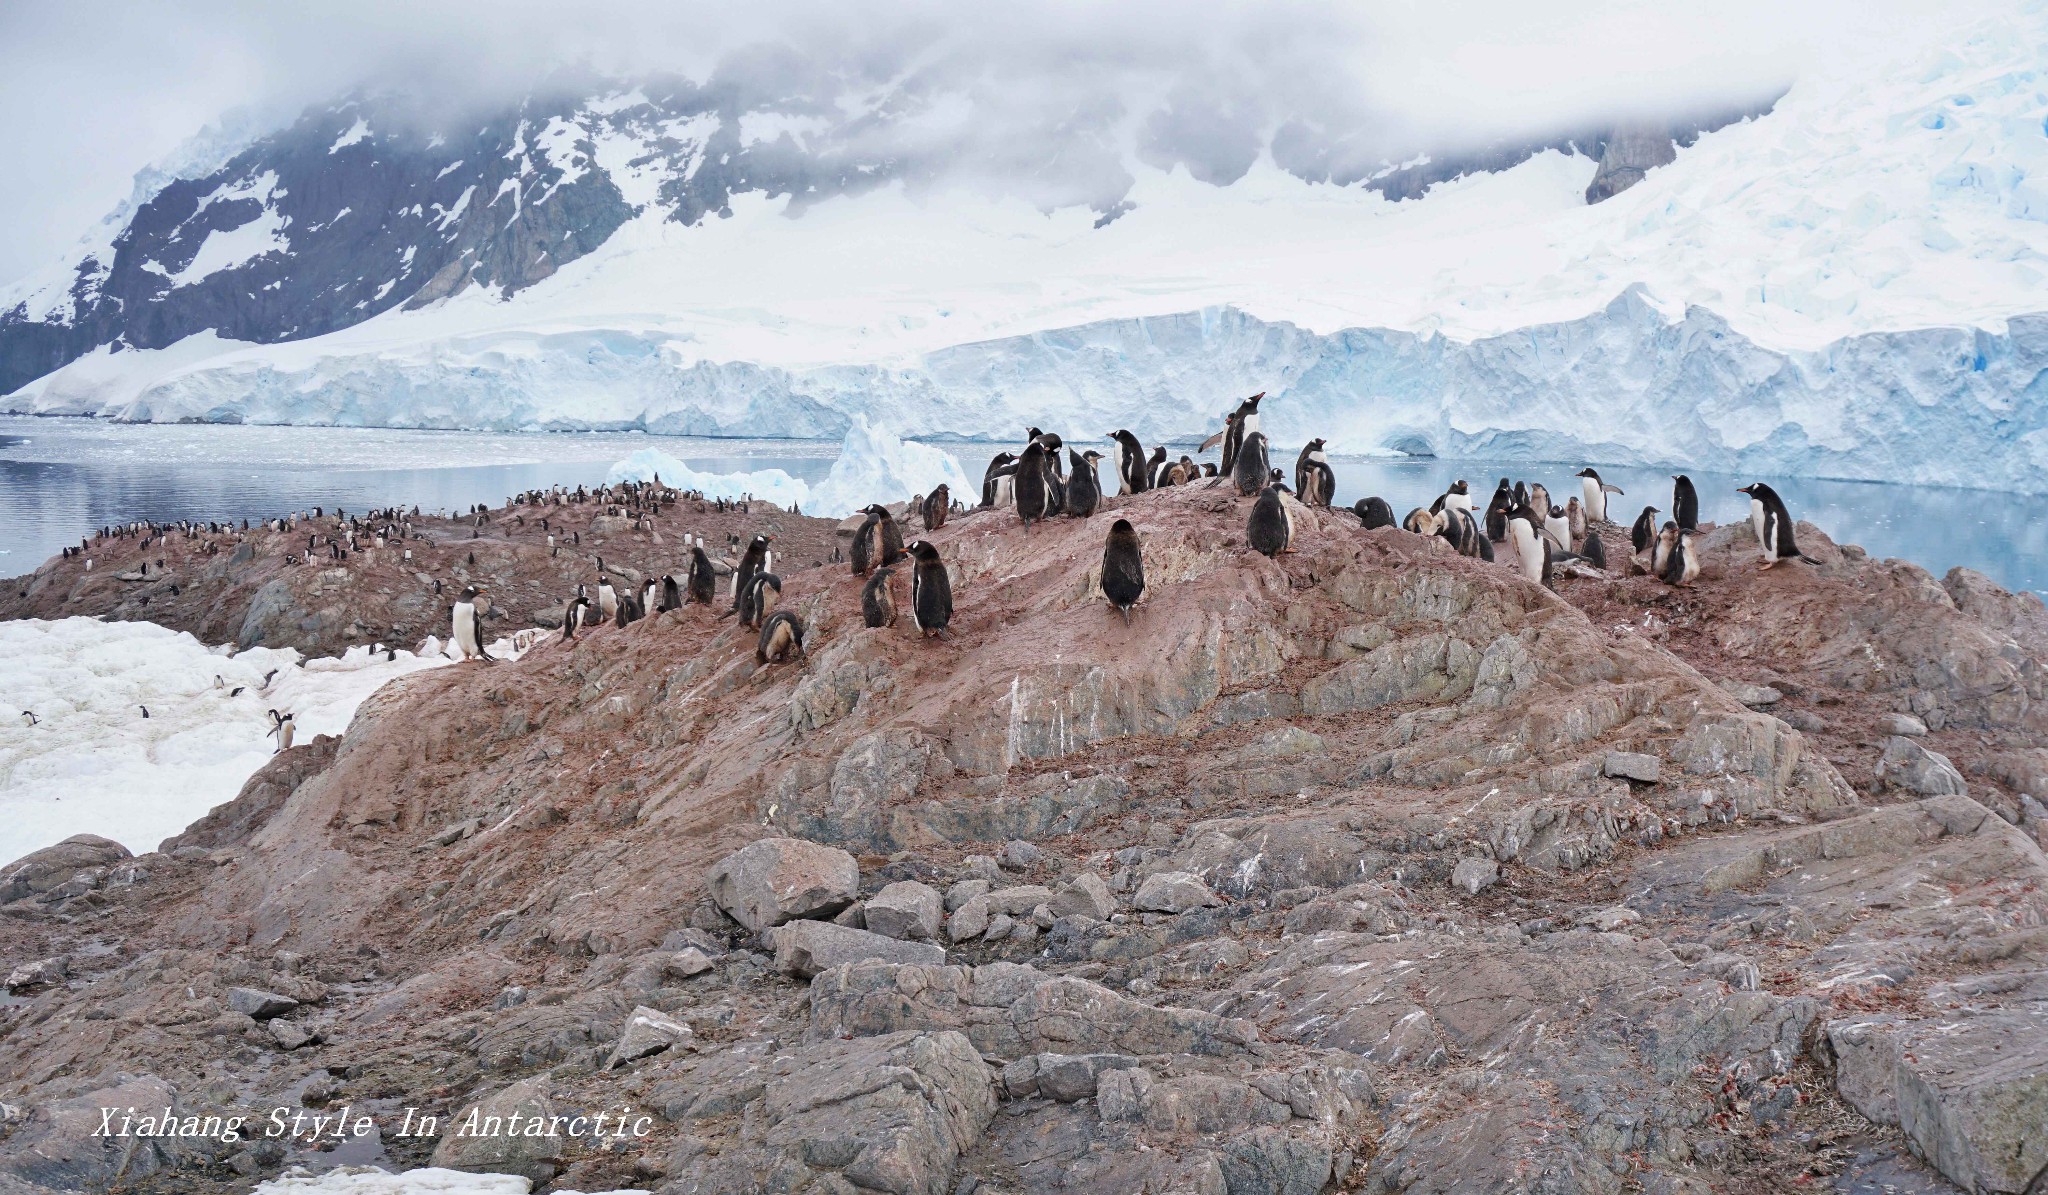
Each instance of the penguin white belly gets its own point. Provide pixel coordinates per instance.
(1006, 490)
(1458, 502)
(463, 630)
(1595, 500)
(1756, 522)
(1559, 532)
(1528, 552)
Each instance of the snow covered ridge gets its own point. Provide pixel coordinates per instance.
(91, 763)
(873, 466)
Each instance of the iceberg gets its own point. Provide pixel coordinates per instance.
(873, 466)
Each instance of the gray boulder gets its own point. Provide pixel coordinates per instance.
(970, 920)
(1087, 896)
(484, 1140)
(40, 871)
(259, 1004)
(782, 879)
(1908, 765)
(648, 1031)
(1631, 765)
(804, 948)
(1475, 875)
(59, 1145)
(905, 909)
(1020, 900)
(1173, 892)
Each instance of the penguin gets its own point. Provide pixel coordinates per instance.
(1229, 417)
(650, 597)
(630, 610)
(575, 616)
(1681, 562)
(1538, 501)
(757, 559)
(701, 581)
(782, 639)
(1594, 549)
(889, 535)
(1685, 503)
(1252, 471)
(1034, 479)
(283, 728)
(1773, 524)
(1130, 463)
(878, 599)
(1534, 553)
(1313, 479)
(1084, 485)
(931, 591)
(1575, 521)
(1423, 522)
(671, 594)
(467, 629)
(861, 555)
(1660, 548)
(1243, 424)
(607, 599)
(1596, 492)
(1373, 512)
(1270, 529)
(1209, 469)
(995, 481)
(763, 593)
(937, 505)
(1123, 568)
(1155, 469)
(145, 712)
(1181, 472)
(1644, 530)
(1457, 497)
(1558, 529)
(1461, 531)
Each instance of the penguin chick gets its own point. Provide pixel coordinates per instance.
(1123, 568)
(782, 639)
(878, 599)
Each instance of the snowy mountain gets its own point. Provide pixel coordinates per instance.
(1841, 282)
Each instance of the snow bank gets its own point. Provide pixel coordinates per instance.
(873, 466)
(94, 765)
(366, 1180)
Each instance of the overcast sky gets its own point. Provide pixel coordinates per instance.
(92, 90)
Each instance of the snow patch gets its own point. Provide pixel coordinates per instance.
(359, 131)
(368, 1180)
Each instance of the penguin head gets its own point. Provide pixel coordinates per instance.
(1750, 489)
(1587, 473)
(1253, 401)
(1457, 487)
(1091, 456)
(1316, 445)
(469, 593)
(763, 539)
(923, 550)
(1051, 441)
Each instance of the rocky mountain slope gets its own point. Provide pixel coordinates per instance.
(1365, 868)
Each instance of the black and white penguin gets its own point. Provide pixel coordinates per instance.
(1244, 423)
(888, 536)
(1534, 553)
(702, 580)
(1270, 528)
(1155, 469)
(1538, 501)
(931, 590)
(1314, 482)
(1035, 482)
(1558, 529)
(575, 616)
(757, 559)
(281, 726)
(1461, 531)
(995, 481)
(1773, 524)
(1084, 485)
(782, 639)
(1373, 512)
(878, 599)
(671, 594)
(630, 609)
(1678, 562)
(1685, 503)
(1457, 497)
(467, 626)
(860, 555)
(1252, 471)
(1595, 492)
(1130, 463)
(1644, 530)
(763, 593)
(937, 505)
(607, 599)
(1123, 568)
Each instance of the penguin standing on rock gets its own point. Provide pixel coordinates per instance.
(937, 505)
(1596, 492)
(1685, 503)
(861, 556)
(782, 639)
(1773, 524)
(1243, 424)
(575, 616)
(1313, 478)
(1130, 463)
(1373, 512)
(931, 590)
(607, 599)
(1497, 510)
(1270, 529)
(888, 535)
(1644, 531)
(671, 594)
(759, 601)
(995, 482)
(1035, 481)
(702, 581)
(1252, 471)
(878, 599)
(1155, 469)
(1084, 485)
(1123, 568)
(756, 560)
(1681, 563)
(1535, 555)
(467, 629)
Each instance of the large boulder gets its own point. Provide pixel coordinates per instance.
(905, 909)
(59, 1146)
(40, 871)
(782, 879)
(488, 1137)
(804, 948)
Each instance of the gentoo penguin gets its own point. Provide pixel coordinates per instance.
(1270, 529)
(1123, 568)
(1773, 524)
(1251, 470)
(759, 601)
(1130, 463)
(467, 629)
(650, 597)
(1644, 530)
(931, 591)
(1681, 562)
(1457, 497)
(1423, 522)
(1575, 521)
(1685, 503)
(28, 718)
(1594, 549)
(878, 599)
(607, 599)
(577, 613)
(860, 556)
(671, 594)
(1660, 548)
(1155, 469)
(1035, 481)
(1497, 510)
(1313, 479)
(701, 580)
(1084, 485)
(1534, 553)
(995, 481)
(282, 726)
(1229, 417)
(888, 536)
(782, 639)
(1373, 512)
(937, 505)
(1461, 531)
(1538, 501)
(1596, 492)
(1244, 423)
(1182, 471)
(757, 559)
(1558, 529)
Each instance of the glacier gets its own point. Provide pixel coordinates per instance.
(872, 466)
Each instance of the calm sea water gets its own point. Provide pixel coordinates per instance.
(60, 478)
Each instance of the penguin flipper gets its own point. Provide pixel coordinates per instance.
(1213, 441)
(1609, 489)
